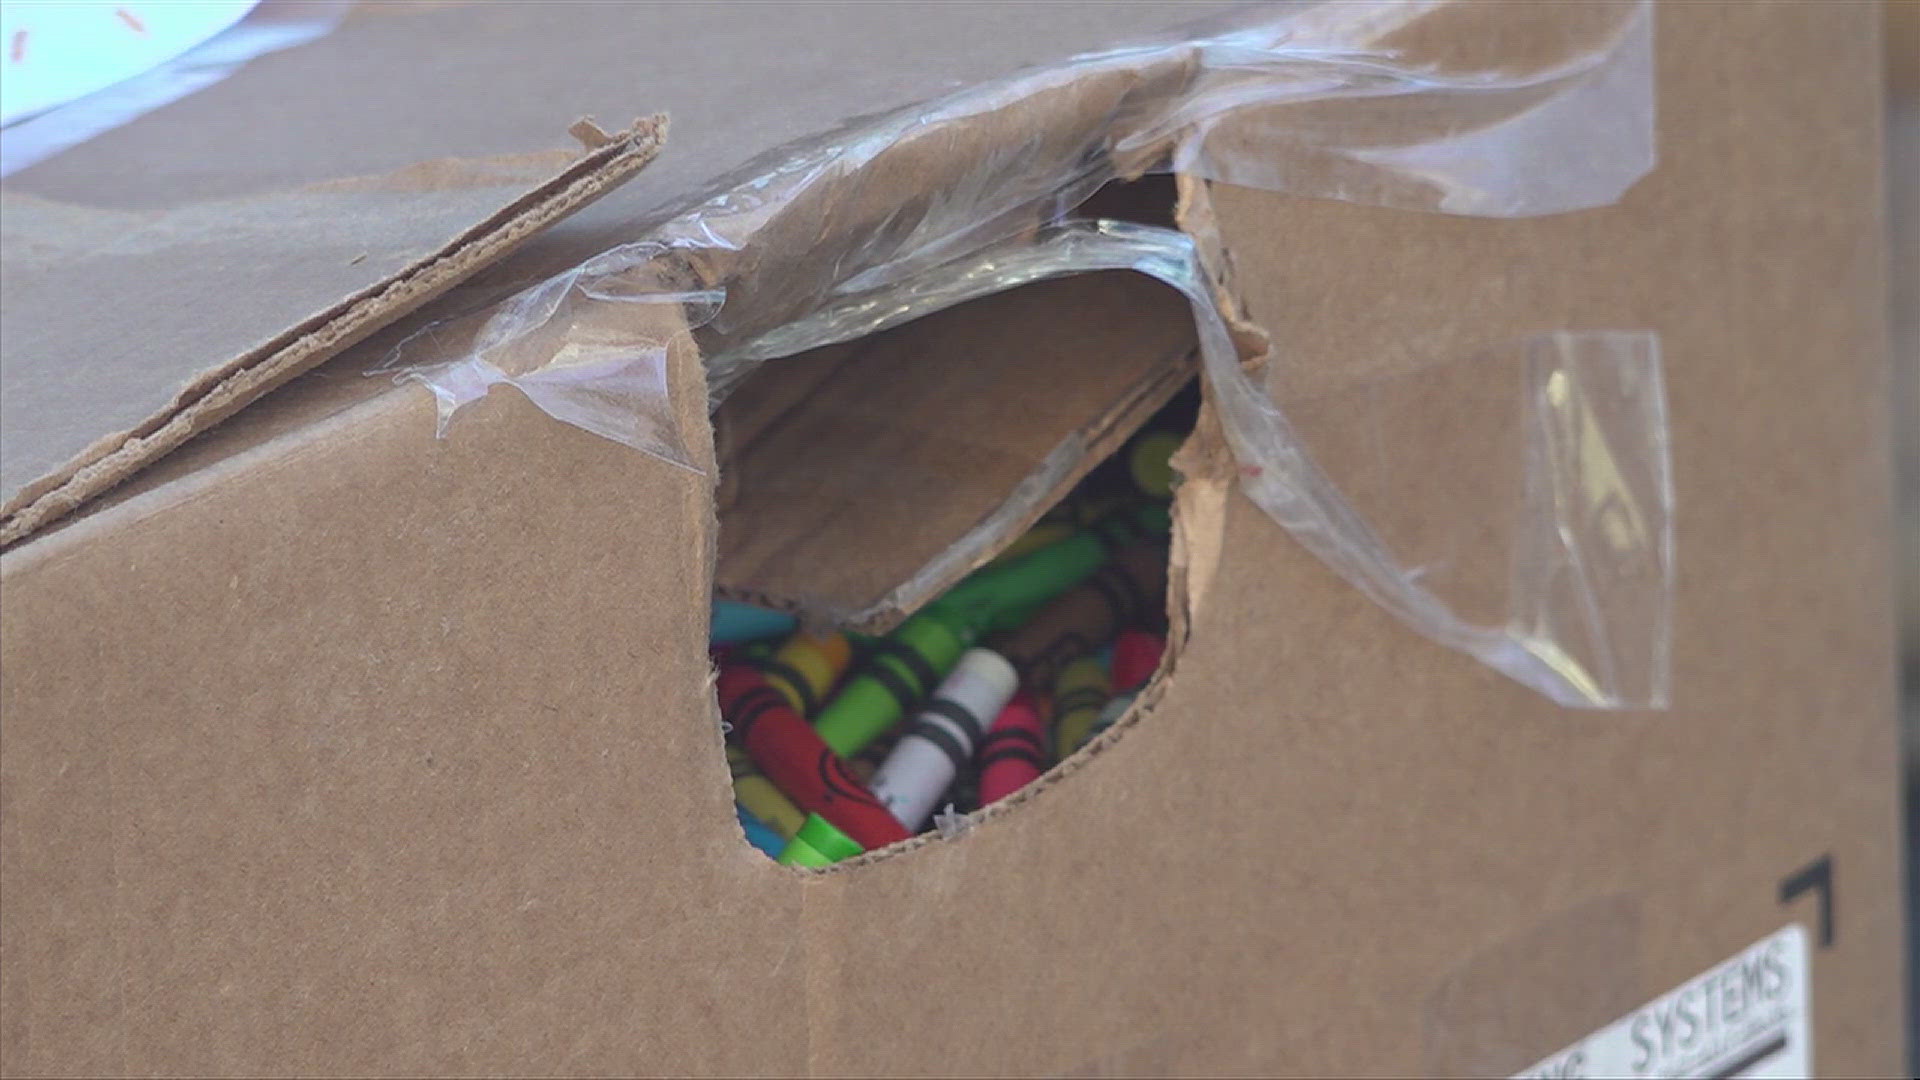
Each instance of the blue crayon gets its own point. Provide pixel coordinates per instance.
(734, 622)
(758, 834)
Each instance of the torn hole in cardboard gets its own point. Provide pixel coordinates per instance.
(889, 218)
(1588, 550)
(1574, 524)
(1053, 656)
(1587, 547)
(862, 480)
(900, 231)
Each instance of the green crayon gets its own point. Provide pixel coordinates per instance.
(818, 843)
(904, 667)
(1000, 598)
(899, 670)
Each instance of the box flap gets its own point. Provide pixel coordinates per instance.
(130, 330)
(151, 263)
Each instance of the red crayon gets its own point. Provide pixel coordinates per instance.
(1014, 751)
(1136, 653)
(789, 753)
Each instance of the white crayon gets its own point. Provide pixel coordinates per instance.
(943, 736)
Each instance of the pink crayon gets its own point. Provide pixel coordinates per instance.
(1136, 653)
(1014, 752)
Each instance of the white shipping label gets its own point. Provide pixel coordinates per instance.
(1749, 1017)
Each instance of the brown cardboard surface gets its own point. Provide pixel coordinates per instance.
(850, 472)
(1765, 216)
(222, 219)
(232, 299)
(362, 751)
(325, 804)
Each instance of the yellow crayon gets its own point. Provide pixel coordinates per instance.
(760, 797)
(1079, 693)
(1150, 462)
(805, 668)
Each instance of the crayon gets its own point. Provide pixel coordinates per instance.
(757, 795)
(999, 598)
(943, 735)
(1130, 589)
(734, 623)
(898, 671)
(1014, 752)
(758, 834)
(1143, 465)
(805, 667)
(818, 843)
(1136, 655)
(1082, 688)
(903, 667)
(1150, 462)
(791, 755)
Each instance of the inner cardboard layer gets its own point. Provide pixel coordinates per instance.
(860, 480)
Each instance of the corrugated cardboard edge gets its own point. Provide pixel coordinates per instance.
(1207, 470)
(232, 386)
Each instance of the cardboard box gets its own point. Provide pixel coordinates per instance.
(328, 745)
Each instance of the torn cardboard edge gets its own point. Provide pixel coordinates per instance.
(224, 390)
(1205, 467)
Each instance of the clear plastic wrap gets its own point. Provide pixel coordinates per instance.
(1588, 563)
(896, 217)
(585, 353)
